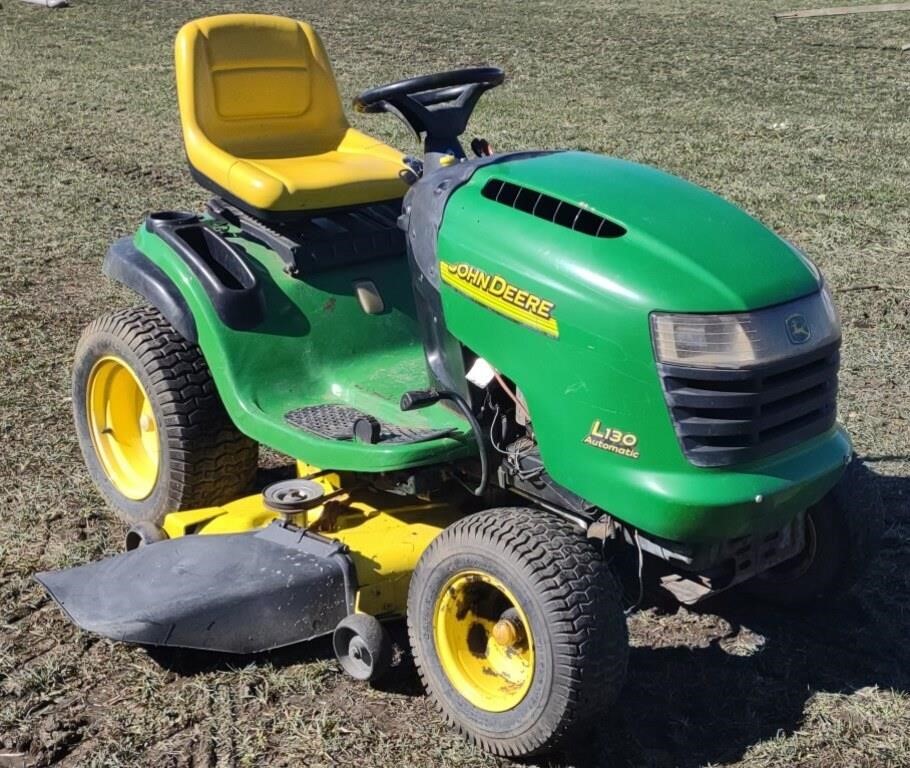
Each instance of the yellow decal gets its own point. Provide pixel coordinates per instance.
(501, 296)
(613, 440)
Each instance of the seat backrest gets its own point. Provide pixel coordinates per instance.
(257, 86)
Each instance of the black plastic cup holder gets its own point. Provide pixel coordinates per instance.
(172, 218)
(222, 268)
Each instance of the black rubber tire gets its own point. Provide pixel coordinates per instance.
(372, 638)
(204, 459)
(572, 602)
(844, 529)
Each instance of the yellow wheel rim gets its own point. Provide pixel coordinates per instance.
(484, 642)
(123, 427)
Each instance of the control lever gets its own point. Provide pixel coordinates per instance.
(421, 398)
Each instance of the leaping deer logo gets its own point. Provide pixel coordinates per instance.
(798, 329)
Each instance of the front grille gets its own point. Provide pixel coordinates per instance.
(725, 417)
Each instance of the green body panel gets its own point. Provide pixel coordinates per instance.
(685, 250)
(316, 345)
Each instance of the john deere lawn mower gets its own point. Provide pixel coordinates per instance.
(493, 372)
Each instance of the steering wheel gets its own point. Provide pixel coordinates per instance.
(435, 106)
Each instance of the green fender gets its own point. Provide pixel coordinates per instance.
(313, 344)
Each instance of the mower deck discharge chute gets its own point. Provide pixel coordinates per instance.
(492, 372)
(239, 593)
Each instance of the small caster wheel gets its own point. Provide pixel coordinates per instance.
(363, 647)
(142, 534)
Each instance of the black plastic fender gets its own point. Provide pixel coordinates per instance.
(127, 265)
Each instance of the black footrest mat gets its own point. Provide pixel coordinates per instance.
(336, 422)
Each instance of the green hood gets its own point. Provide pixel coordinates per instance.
(565, 315)
(685, 249)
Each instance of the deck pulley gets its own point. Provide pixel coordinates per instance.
(289, 498)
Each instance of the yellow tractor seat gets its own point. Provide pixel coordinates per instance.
(263, 123)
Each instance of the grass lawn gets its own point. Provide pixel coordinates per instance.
(805, 124)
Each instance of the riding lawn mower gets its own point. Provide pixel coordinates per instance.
(495, 374)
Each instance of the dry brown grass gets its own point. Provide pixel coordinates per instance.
(804, 124)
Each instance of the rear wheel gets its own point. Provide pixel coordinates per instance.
(154, 433)
(517, 630)
(841, 538)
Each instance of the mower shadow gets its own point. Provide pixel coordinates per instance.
(688, 706)
(187, 662)
(401, 679)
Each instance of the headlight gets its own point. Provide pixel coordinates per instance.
(749, 338)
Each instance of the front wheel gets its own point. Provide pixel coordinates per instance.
(841, 538)
(517, 630)
(153, 431)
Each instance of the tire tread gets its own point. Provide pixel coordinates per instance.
(209, 460)
(582, 601)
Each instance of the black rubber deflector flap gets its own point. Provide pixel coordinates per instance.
(234, 593)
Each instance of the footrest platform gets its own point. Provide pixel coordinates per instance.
(336, 422)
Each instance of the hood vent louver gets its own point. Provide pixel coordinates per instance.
(551, 209)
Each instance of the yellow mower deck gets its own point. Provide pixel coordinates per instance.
(385, 533)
